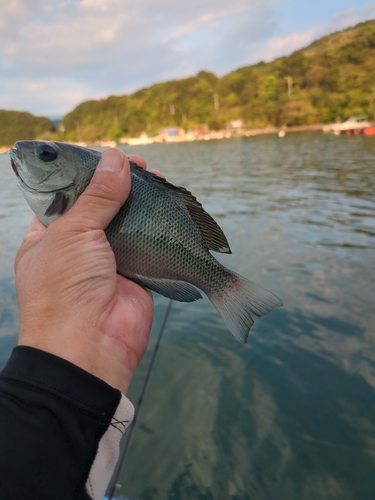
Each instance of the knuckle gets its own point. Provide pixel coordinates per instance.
(104, 191)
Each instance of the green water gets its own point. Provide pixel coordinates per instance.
(291, 415)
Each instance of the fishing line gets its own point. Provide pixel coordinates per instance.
(131, 427)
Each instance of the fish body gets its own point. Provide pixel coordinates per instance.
(161, 237)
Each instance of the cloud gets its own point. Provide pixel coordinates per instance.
(288, 43)
(56, 53)
(41, 97)
(93, 31)
(36, 85)
(113, 46)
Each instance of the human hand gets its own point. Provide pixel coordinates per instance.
(72, 302)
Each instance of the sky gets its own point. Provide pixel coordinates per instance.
(55, 54)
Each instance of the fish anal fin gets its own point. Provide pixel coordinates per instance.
(176, 290)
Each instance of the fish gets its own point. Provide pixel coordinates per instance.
(162, 237)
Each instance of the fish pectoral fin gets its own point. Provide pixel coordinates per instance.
(176, 290)
(59, 204)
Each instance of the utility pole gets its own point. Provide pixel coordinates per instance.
(78, 131)
(216, 101)
(290, 85)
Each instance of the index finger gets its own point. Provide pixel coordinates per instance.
(35, 225)
(141, 162)
(35, 233)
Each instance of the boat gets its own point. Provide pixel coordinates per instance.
(353, 125)
(137, 141)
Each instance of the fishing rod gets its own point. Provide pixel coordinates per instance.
(131, 427)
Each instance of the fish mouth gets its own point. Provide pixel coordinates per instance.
(14, 156)
(21, 181)
(15, 168)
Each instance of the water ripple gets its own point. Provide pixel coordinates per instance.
(290, 415)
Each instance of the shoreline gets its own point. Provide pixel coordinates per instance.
(190, 137)
(221, 134)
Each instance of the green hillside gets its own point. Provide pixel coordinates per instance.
(16, 125)
(332, 78)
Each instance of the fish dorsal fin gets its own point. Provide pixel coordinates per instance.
(208, 228)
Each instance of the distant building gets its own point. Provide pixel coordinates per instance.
(235, 125)
(170, 132)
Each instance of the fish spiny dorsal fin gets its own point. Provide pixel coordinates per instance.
(208, 228)
(210, 231)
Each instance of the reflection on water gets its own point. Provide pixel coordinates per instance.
(292, 414)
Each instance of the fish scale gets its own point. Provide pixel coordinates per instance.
(161, 237)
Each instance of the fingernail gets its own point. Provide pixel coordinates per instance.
(111, 161)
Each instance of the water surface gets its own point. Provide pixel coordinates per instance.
(291, 415)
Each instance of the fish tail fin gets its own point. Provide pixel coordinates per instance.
(238, 299)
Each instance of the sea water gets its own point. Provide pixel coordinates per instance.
(291, 415)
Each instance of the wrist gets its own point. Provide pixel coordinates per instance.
(95, 353)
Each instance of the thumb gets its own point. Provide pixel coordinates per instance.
(104, 196)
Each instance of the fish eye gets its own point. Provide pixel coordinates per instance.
(46, 152)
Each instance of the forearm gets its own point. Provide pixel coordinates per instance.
(52, 417)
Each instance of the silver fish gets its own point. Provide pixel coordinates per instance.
(161, 237)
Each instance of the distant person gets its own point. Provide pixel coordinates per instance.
(83, 332)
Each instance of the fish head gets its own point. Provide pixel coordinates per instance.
(52, 175)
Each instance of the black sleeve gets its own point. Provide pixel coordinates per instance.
(52, 416)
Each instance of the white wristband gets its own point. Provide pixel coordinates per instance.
(108, 450)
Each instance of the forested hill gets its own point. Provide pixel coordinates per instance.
(331, 79)
(16, 125)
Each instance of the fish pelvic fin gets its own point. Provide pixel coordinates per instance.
(59, 204)
(238, 300)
